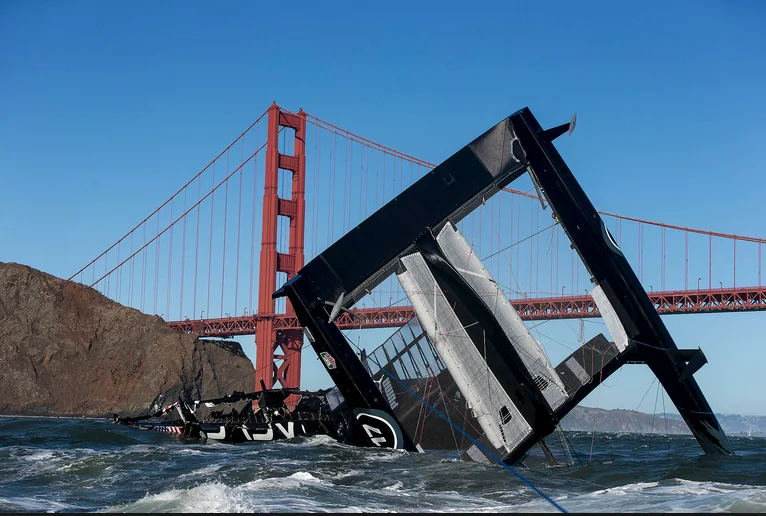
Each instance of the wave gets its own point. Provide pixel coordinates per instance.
(151, 472)
(674, 495)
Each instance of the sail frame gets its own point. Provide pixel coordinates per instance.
(370, 252)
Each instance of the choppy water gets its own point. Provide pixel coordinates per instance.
(77, 465)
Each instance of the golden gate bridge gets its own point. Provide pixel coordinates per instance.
(209, 258)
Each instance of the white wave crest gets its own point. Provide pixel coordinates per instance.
(208, 497)
(674, 495)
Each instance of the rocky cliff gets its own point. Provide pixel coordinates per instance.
(65, 349)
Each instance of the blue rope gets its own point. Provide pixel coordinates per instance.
(475, 442)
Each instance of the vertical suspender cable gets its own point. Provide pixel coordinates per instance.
(345, 183)
(117, 274)
(157, 265)
(315, 198)
(225, 213)
(331, 192)
(143, 271)
(710, 262)
(556, 282)
(365, 213)
(196, 251)
(170, 263)
(239, 223)
(130, 276)
(351, 171)
(210, 251)
(538, 254)
(518, 247)
(640, 250)
(531, 245)
(134, 276)
(183, 264)
(510, 233)
(662, 261)
(252, 226)
(686, 260)
(383, 193)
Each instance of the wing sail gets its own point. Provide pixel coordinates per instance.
(460, 254)
(497, 415)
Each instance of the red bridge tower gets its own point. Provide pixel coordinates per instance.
(273, 345)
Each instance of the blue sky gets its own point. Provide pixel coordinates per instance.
(106, 109)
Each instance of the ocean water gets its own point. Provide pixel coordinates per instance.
(80, 465)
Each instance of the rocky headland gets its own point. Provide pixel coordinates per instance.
(68, 350)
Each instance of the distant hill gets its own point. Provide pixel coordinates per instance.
(621, 420)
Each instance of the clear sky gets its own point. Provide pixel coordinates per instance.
(107, 108)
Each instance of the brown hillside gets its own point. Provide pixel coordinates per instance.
(65, 349)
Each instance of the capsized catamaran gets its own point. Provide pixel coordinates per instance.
(495, 384)
(264, 416)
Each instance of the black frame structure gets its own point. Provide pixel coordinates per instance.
(346, 271)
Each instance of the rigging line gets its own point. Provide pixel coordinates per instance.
(454, 427)
(568, 325)
(449, 419)
(520, 241)
(510, 268)
(422, 412)
(571, 446)
(449, 328)
(539, 333)
(654, 411)
(540, 324)
(639, 404)
(665, 417)
(438, 383)
(617, 381)
(598, 402)
(495, 301)
(479, 445)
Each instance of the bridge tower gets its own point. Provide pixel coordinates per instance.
(274, 344)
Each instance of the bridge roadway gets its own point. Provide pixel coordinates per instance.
(737, 299)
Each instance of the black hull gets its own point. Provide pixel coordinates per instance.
(236, 432)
